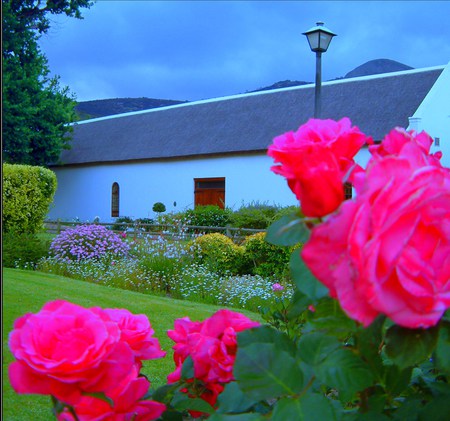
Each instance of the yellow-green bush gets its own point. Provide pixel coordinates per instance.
(27, 194)
(218, 252)
(267, 260)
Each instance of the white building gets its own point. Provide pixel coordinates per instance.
(214, 151)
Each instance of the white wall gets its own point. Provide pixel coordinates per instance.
(85, 192)
(433, 115)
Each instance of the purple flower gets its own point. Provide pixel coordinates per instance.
(277, 287)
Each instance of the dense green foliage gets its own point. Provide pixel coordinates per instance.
(208, 216)
(35, 108)
(267, 260)
(254, 215)
(219, 253)
(120, 224)
(23, 250)
(27, 194)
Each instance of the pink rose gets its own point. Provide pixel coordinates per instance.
(65, 349)
(212, 345)
(137, 332)
(395, 141)
(388, 251)
(277, 287)
(316, 161)
(127, 404)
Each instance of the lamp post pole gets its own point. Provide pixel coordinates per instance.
(318, 86)
(319, 38)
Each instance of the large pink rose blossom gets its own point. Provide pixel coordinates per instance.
(316, 160)
(66, 349)
(395, 141)
(127, 404)
(137, 332)
(211, 344)
(388, 250)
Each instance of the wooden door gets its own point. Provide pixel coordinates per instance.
(209, 191)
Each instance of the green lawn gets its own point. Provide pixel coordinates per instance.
(27, 291)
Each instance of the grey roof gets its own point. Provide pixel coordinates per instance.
(248, 123)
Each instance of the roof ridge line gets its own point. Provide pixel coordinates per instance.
(266, 92)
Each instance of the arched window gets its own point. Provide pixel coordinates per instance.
(115, 200)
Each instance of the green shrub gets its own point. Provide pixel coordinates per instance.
(267, 260)
(208, 216)
(159, 207)
(120, 224)
(255, 215)
(23, 250)
(27, 194)
(287, 210)
(146, 222)
(219, 253)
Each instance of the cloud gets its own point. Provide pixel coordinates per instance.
(202, 49)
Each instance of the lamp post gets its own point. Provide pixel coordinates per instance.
(319, 38)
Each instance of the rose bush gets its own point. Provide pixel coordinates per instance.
(365, 335)
(388, 251)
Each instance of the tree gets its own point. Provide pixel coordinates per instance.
(36, 110)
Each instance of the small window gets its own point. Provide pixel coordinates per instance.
(115, 200)
(348, 191)
(437, 141)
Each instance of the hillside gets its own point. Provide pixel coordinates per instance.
(104, 107)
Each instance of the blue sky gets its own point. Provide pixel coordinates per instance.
(193, 50)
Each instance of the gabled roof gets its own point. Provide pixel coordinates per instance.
(248, 123)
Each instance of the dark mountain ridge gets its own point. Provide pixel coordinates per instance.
(105, 107)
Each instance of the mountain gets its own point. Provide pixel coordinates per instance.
(281, 84)
(105, 107)
(375, 67)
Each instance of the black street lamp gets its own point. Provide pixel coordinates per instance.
(319, 38)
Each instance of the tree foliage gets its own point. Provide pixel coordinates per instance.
(36, 109)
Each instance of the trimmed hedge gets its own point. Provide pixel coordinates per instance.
(28, 192)
(218, 252)
(267, 260)
(208, 216)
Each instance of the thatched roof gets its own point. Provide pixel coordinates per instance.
(248, 123)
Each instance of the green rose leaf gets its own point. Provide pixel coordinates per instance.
(182, 401)
(288, 231)
(346, 372)
(397, 380)
(233, 400)
(443, 347)
(311, 406)
(436, 410)
(314, 347)
(172, 415)
(408, 347)
(329, 316)
(298, 304)
(368, 343)
(264, 371)
(236, 417)
(187, 370)
(304, 279)
(266, 334)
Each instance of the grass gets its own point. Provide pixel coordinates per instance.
(27, 291)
